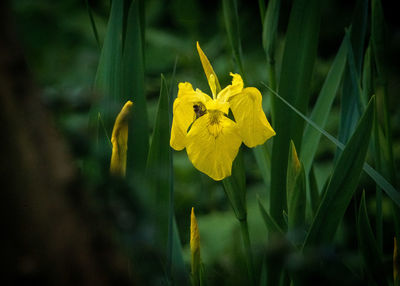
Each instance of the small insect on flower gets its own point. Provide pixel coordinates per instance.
(201, 124)
(199, 110)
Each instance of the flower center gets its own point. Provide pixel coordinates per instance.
(214, 125)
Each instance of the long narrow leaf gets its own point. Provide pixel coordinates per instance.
(270, 223)
(159, 173)
(108, 76)
(350, 104)
(269, 39)
(314, 193)
(133, 88)
(158, 170)
(297, 66)
(296, 192)
(374, 268)
(378, 178)
(322, 107)
(232, 27)
(343, 182)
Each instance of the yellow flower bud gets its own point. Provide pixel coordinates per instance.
(119, 140)
(195, 249)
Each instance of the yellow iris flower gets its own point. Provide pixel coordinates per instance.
(200, 123)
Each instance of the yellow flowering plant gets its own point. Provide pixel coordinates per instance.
(201, 124)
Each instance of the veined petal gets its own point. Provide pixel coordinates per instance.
(253, 125)
(232, 89)
(183, 113)
(212, 144)
(119, 141)
(208, 70)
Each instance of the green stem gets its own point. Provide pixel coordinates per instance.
(247, 248)
(377, 150)
(261, 5)
(272, 84)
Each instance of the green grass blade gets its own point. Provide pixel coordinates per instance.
(378, 38)
(354, 75)
(374, 267)
(93, 23)
(158, 169)
(296, 193)
(232, 27)
(179, 272)
(343, 183)
(133, 88)
(235, 188)
(269, 38)
(378, 41)
(159, 173)
(108, 76)
(270, 29)
(367, 81)
(367, 91)
(383, 125)
(383, 183)
(297, 66)
(263, 160)
(270, 223)
(322, 107)
(350, 104)
(261, 7)
(378, 178)
(314, 193)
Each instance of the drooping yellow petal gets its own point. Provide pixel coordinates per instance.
(119, 140)
(253, 125)
(209, 71)
(231, 90)
(183, 113)
(195, 249)
(212, 144)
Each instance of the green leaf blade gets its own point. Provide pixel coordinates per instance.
(297, 66)
(350, 100)
(296, 191)
(322, 107)
(374, 267)
(133, 88)
(343, 183)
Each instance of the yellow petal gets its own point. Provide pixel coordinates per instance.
(253, 126)
(232, 89)
(209, 71)
(183, 113)
(119, 140)
(212, 144)
(218, 105)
